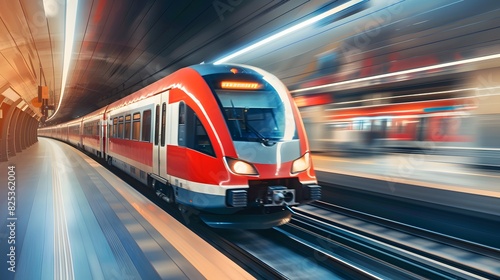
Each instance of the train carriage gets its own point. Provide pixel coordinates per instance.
(93, 130)
(224, 140)
(410, 125)
(129, 144)
(75, 132)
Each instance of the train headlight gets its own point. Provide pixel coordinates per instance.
(301, 164)
(240, 167)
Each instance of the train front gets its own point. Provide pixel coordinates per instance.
(269, 168)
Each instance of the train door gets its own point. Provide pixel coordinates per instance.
(159, 145)
(102, 135)
(109, 132)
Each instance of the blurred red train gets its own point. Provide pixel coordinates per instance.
(225, 140)
(416, 125)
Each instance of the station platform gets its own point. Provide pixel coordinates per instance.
(444, 180)
(73, 219)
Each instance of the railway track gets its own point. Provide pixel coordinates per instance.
(274, 254)
(250, 262)
(328, 241)
(389, 248)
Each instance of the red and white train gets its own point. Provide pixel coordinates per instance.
(225, 140)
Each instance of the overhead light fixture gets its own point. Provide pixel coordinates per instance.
(25, 106)
(51, 8)
(290, 30)
(11, 94)
(69, 38)
(404, 72)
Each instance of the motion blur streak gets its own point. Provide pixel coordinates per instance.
(71, 8)
(290, 30)
(432, 67)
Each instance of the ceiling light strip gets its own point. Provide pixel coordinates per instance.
(71, 7)
(427, 68)
(290, 30)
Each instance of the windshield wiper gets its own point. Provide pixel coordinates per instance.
(261, 137)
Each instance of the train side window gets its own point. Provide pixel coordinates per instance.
(182, 113)
(128, 123)
(463, 125)
(146, 125)
(115, 127)
(120, 127)
(157, 123)
(181, 140)
(163, 121)
(136, 126)
(201, 141)
(194, 135)
(357, 125)
(444, 126)
(400, 127)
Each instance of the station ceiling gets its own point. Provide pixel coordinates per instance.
(121, 46)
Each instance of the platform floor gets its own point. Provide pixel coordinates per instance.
(441, 172)
(73, 219)
(438, 181)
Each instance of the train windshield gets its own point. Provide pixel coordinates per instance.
(257, 115)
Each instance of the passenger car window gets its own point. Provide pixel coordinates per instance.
(157, 124)
(136, 126)
(192, 133)
(146, 125)
(128, 120)
(120, 127)
(163, 122)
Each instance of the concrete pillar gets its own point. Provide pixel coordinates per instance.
(13, 137)
(5, 108)
(33, 124)
(34, 133)
(22, 130)
(5, 143)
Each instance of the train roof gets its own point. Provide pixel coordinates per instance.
(95, 113)
(208, 69)
(160, 85)
(164, 83)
